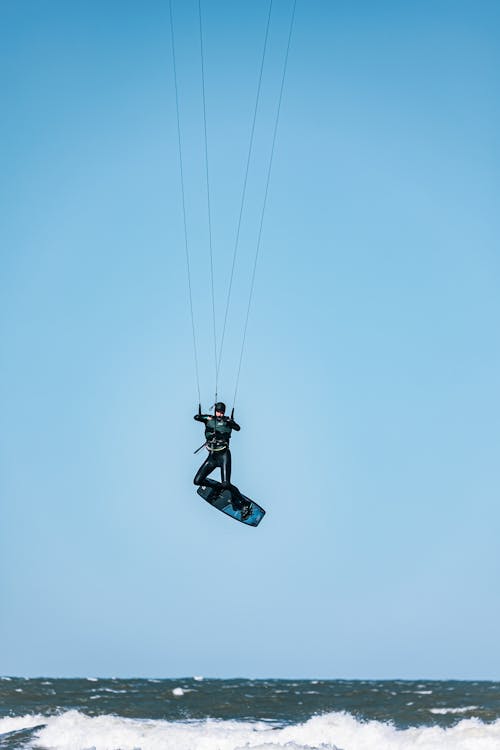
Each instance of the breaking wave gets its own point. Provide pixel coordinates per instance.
(73, 730)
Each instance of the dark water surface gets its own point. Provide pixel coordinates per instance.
(405, 703)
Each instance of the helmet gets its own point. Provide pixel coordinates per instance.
(219, 406)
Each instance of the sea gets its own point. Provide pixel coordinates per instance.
(198, 713)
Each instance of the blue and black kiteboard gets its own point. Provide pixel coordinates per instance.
(224, 502)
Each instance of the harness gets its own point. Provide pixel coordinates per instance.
(217, 435)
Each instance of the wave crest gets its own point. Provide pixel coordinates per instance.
(73, 730)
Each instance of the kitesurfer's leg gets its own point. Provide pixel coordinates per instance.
(223, 459)
(237, 500)
(201, 478)
(225, 467)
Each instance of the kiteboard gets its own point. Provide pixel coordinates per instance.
(224, 502)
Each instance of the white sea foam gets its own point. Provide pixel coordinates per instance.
(14, 723)
(178, 691)
(335, 731)
(462, 710)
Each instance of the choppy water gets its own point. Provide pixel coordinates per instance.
(205, 714)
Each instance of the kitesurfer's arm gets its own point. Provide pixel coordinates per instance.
(231, 423)
(201, 417)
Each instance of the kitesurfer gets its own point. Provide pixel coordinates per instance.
(218, 430)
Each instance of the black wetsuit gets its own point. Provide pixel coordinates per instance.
(218, 433)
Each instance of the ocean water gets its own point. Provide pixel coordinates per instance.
(206, 714)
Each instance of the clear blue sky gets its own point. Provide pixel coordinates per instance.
(369, 398)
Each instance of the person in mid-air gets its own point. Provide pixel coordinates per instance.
(218, 430)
